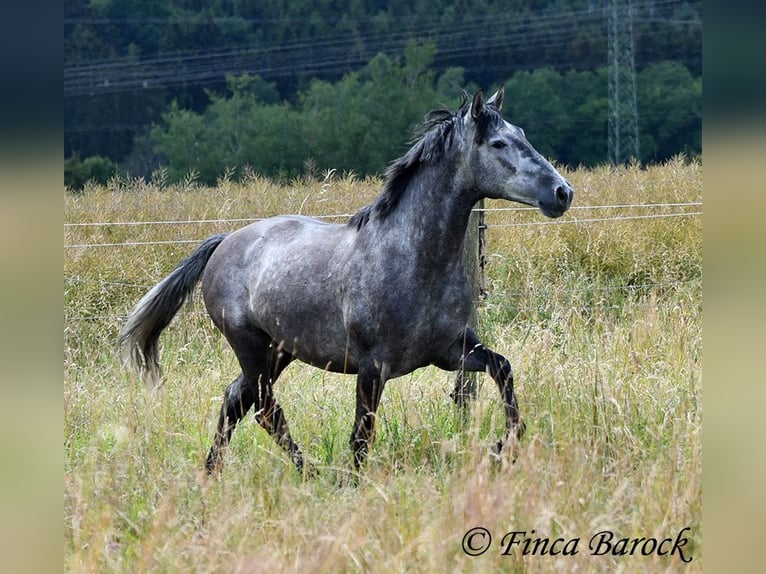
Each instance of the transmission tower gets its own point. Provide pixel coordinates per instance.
(623, 111)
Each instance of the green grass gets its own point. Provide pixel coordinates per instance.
(601, 320)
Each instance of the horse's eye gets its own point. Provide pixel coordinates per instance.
(499, 144)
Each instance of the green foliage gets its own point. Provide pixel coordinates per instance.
(125, 61)
(360, 123)
(182, 143)
(234, 131)
(670, 108)
(357, 124)
(94, 169)
(565, 114)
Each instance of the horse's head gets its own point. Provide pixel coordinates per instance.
(504, 165)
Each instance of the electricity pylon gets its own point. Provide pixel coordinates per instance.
(623, 112)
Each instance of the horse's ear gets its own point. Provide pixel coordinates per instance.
(477, 104)
(496, 101)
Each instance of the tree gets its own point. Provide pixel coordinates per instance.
(536, 102)
(95, 168)
(125, 61)
(361, 122)
(357, 124)
(670, 111)
(182, 144)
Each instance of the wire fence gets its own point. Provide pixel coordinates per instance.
(567, 221)
(540, 309)
(564, 294)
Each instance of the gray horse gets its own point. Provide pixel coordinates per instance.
(379, 296)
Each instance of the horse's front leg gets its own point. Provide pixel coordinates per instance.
(369, 388)
(500, 370)
(475, 357)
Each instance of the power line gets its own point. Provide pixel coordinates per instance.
(328, 54)
(616, 206)
(328, 57)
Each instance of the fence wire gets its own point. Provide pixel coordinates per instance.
(562, 296)
(346, 215)
(568, 221)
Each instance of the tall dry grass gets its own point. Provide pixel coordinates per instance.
(601, 320)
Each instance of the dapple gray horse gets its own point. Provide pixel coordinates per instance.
(379, 296)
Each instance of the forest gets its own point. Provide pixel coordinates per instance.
(183, 88)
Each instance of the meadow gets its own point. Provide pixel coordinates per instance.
(600, 314)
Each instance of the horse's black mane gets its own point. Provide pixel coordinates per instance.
(433, 137)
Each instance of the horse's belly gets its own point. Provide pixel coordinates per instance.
(310, 334)
(299, 306)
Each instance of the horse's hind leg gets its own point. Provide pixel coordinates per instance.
(237, 400)
(262, 361)
(268, 413)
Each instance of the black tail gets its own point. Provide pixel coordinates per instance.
(138, 338)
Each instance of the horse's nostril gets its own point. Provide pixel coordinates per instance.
(561, 194)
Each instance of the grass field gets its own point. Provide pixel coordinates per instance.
(601, 320)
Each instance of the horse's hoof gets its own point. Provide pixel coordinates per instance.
(308, 472)
(496, 454)
(213, 465)
(517, 432)
(347, 479)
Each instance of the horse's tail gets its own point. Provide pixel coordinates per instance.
(138, 337)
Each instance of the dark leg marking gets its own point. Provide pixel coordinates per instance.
(480, 358)
(252, 388)
(237, 400)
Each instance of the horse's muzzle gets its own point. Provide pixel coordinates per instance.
(560, 202)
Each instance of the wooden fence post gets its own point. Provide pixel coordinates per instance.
(475, 264)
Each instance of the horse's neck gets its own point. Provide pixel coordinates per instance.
(432, 218)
